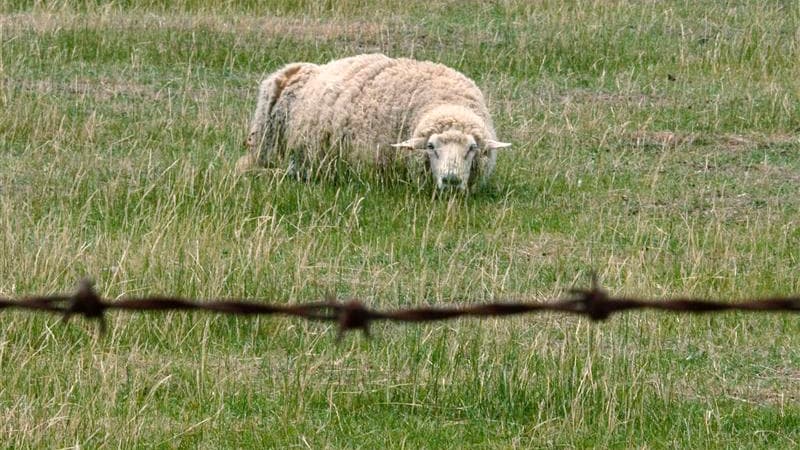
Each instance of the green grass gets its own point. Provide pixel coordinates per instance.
(655, 143)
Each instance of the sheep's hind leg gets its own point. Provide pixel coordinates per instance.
(297, 168)
(247, 163)
(266, 128)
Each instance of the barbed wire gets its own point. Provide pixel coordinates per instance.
(594, 303)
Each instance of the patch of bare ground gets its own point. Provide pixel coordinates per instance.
(545, 93)
(660, 139)
(720, 142)
(709, 144)
(631, 99)
(779, 386)
(275, 26)
(774, 386)
(734, 178)
(103, 89)
(735, 141)
(99, 89)
(544, 248)
(761, 159)
(353, 35)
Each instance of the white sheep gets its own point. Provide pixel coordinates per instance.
(363, 105)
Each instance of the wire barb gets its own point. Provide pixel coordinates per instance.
(353, 316)
(593, 302)
(87, 303)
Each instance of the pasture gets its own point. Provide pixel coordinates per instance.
(655, 143)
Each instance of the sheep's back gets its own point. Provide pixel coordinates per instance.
(373, 100)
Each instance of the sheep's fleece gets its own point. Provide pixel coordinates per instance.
(375, 109)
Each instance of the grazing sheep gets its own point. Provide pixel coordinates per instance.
(375, 109)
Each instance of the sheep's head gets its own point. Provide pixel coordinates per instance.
(453, 156)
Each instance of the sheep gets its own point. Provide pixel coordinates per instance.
(377, 110)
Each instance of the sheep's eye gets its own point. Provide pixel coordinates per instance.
(429, 146)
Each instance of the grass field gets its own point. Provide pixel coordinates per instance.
(655, 143)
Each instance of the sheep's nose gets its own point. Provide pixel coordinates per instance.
(451, 181)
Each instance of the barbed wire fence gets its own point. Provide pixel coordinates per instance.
(594, 303)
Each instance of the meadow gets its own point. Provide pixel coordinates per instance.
(655, 143)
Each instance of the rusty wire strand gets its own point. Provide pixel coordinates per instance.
(594, 303)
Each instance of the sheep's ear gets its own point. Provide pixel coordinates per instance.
(411, 144)
(492, 144)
